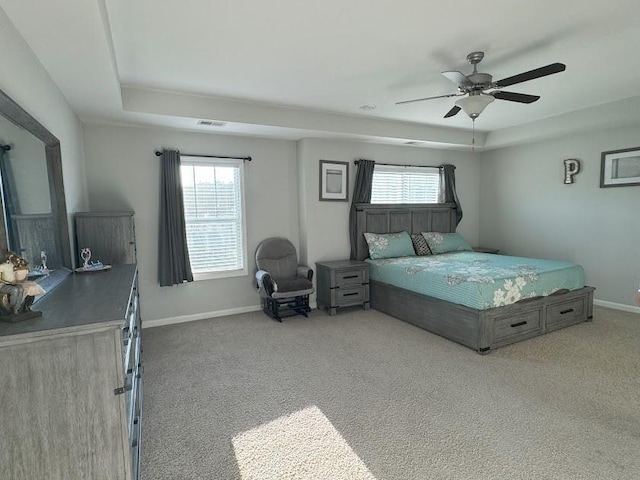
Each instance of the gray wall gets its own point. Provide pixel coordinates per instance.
(324, 226)
(527, 210)
(23, 78)
(123, 174)
(282, 200)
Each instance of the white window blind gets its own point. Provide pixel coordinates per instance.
(214, 216)
(395, 184)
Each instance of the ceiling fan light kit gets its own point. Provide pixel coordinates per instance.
(474, 87)
(474, 105)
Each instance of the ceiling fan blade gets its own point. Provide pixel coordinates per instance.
(515, 97)
(458, 78)
(452, 112)
(532, 74)
(429, 98)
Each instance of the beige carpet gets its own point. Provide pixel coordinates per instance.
(365, 396)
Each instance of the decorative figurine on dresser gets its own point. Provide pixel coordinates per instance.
(87, 265)
(16, 293)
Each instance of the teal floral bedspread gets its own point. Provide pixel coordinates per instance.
(477, 280)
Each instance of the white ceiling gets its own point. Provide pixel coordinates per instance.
(292, 69)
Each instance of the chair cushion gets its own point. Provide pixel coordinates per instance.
(292, 287)
(278, 257)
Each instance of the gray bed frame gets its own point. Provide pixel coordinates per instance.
(482, 330)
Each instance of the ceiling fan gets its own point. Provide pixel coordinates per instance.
(473, 87)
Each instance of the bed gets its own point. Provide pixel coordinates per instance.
(478, 318)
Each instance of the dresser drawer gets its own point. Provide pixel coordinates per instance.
(351, 276)
(131, 356)
(563, 314)
(135, 448)
(522, 325)
(356, 295)
(131, 325)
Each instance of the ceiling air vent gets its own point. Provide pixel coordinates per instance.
(211, 123)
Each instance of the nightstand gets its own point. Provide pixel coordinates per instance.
(342, 283)
(486, 250)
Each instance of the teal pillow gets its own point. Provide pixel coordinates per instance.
(446, 242)
(389, 245)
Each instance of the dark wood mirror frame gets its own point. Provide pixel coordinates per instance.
(16, 114)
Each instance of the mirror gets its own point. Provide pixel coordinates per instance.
(34, 214)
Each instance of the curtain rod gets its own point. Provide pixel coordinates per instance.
(6, 148)
(246, 159)
(396, 165)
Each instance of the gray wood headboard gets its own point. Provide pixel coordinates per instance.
(413, 218)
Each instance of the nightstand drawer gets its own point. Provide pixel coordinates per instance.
(342, 297)
(352, 276)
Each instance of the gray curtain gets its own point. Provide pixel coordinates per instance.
(361, 194)
(173, 256)
(449, 194)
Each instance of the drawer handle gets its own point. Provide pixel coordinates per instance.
(569, 310)
(519, 324)
(350, 276)
(350, 294)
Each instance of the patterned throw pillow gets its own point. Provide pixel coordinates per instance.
(446, 242)
(420, 244)
(389, 245)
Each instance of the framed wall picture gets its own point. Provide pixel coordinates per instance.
(620, 168)
(334, 181)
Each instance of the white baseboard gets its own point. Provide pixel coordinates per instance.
(199, 316)
(203, 316)
(617, 306)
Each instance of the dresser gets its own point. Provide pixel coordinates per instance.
(111, 236)
(71, 382)
(342, 283)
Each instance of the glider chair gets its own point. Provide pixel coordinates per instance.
(284, 285)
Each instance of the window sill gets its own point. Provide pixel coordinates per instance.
(215, 275)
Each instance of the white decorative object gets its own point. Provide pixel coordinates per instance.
(85, 254)
(571, 168)
(43, 259)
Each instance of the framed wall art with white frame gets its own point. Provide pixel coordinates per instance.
(620, 168)
(334, 181)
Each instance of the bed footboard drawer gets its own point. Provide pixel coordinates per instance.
(521, 325)
(563, 314)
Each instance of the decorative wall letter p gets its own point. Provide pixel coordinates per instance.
(571, 167)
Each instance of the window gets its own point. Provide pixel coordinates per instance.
(213, 193)
(396, 184)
